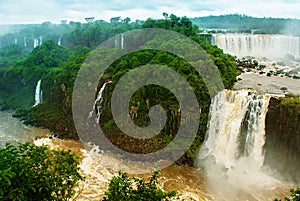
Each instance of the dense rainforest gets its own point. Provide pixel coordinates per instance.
(56, 65)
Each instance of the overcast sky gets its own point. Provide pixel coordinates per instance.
(38, 11)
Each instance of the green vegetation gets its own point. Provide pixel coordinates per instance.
(290, 100)
(35, 173)
(57, 67)
(295, 196)
(25, 36)
(122, 187)
(244, 23)
(17, 83)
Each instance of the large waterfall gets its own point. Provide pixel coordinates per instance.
(38, 94)
(236, 127)
(258, 45)
(232, 154)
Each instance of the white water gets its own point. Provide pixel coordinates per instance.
(25, 43)
(38, 94)
(59, 41)
(258, 45)
(98, 104)
(119, 41)
(122, 41)
(41, 40)
(35, 42)
(232, 155)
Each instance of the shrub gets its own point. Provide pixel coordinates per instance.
(122, 187)
(30, 172)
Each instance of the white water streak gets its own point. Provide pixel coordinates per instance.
(98, 103)
(38, 94)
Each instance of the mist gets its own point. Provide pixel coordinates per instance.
(292, 27)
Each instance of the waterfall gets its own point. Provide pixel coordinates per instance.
(25, 44)
(59, 41)
(119, 41)
(258, 45)
(35, 42)
(41, 40)
(38, 94)
(232, 154)
(236, 127)
(122, 41)
(98, 104)
(16, 41)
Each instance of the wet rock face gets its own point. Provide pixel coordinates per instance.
(282, 145)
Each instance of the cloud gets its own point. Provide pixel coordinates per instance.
(37, 11)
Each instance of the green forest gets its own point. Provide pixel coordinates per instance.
(244, 23)
(57, 67)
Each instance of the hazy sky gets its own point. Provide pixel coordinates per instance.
(38, 11)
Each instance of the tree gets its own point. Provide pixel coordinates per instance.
(126, 20)
(115, 20)
(35, 173)
(165, 15)
(121, 188)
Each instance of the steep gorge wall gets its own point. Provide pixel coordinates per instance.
(283, 137)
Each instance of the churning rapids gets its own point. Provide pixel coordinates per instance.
(228, 167)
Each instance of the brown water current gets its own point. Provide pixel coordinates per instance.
(190, 183)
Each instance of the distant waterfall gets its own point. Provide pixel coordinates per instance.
(98, 104)
(236, 127)
(25, 43)
(16, 41)
(122, 41)
(59, 41)
(258, 45)
(119, 41)
(38, 94)
(41, 40)
(37, 41)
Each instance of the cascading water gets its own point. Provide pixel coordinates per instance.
(25, 43)
(122, 41)
(35, 43)
(59, 41)
(232, 154)
(41, 40)
(236, 125)
(119, 41)
(99, 103)
(258, 45)
(38, 94)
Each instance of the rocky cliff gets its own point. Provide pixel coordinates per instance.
(283, 137)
